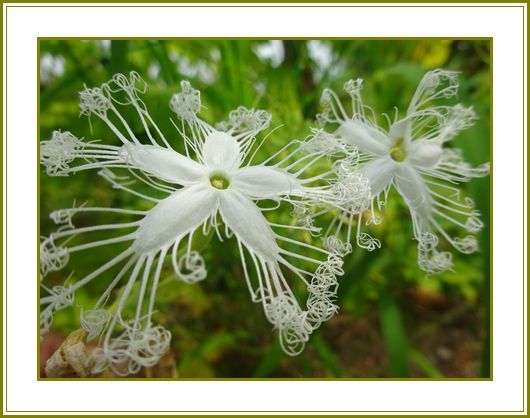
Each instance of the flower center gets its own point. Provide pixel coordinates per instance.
(219, 180)
(397, 153)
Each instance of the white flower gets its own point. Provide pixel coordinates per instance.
(213, 181)
(411, 157)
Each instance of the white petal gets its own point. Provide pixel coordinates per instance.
(247, 222)
(415, 191)
(263, 182)
(380, 173)
(221, 152)
(399, 130)
(177, 215)
(163, 163)
(423, 153)
(364, 137)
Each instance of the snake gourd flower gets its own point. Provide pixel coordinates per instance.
(213, 185)
(412, 157)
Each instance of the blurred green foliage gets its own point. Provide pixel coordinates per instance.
(393, 322)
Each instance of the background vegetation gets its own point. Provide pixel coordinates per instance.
(393, 321)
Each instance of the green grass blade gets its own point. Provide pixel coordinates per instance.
(270, 361)
(394, 336)
(327, 355)
(424, 364)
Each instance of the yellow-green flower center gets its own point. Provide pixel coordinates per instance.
(219, 181)
(397, 153)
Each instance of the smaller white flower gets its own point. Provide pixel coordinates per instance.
(410, 156)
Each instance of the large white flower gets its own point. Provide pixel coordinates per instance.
(411, 157)
(212, 181)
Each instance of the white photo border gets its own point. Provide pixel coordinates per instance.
(23, 24)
